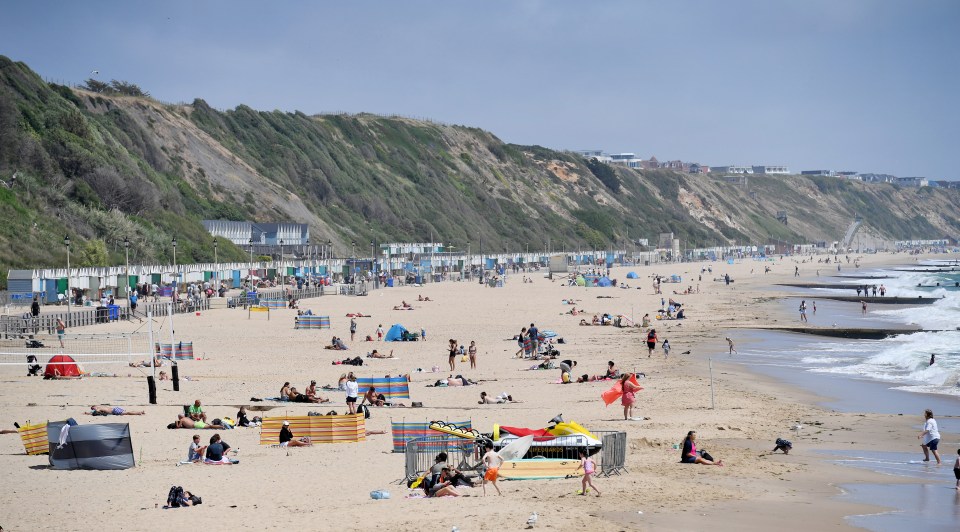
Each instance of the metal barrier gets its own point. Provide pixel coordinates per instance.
(421, 453)
(18, 326)
(613, 456)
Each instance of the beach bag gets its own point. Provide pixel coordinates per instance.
(463, 358)
(379, 494)
(706, 455)
(364, 410)
(174, 496)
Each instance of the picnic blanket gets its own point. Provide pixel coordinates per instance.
(404, 431)
(391, 388)
(349, 428)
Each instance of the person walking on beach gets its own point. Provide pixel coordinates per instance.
(534, 335)
(863, 307)
(814, 304)
(353, 328)
(956, 470)
(379, 332)
(521, 352)
(492, 461)
(730, 345)
(651, 342)
(803, 311)
(589, 468)
(930, 436)
(666, 348)
(61, 330)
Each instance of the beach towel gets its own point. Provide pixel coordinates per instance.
(348, 428)
(391, 388)
(614, 393)
(404, 431)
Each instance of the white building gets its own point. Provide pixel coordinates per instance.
(912, 181)
(731, 169)
(771, 170)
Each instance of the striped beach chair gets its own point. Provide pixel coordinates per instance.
(184, 351)
(404, 431)
(391, 388)
(349, 428)
(34, 438)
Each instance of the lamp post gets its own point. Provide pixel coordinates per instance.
(176, 275)
(216, 261)
(66, 242)
(469, 261)
(126, 250)
(373, 259)
(353, 258)
(251, 251)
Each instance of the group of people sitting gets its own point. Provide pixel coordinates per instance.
(289, 393)
(420, 298)
(336, 344)
(601, 319)
(214, 453)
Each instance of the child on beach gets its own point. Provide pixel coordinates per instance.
(730, 344)
(589, 467)
(492, 461)
(666, 348)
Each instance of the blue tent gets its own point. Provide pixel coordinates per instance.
(395, 332)
(632, 275)
(604, 281)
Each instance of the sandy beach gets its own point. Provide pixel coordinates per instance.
(327, 486)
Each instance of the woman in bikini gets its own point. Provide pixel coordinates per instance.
(453, 354)
(473, 354)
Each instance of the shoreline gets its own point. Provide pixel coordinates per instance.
(252, 357)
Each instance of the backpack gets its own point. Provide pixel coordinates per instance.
(364, 410)
(175, 496)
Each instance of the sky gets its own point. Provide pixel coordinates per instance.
(858, 85)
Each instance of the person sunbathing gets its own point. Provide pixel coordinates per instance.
(502, 398)
(107, 410)
(583, 322)
(377, 354)
(163, 376)
(459, 380)
(596, 320)
(157, 362)
(184, 422)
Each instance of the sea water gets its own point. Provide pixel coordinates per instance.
(902, 362)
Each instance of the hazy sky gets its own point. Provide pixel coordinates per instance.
(863, 85)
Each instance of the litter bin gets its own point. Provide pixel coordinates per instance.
(103, 314)
(390, 282)
(114, 312)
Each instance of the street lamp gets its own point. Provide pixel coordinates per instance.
(216, 273)
(251, 251)
(175, 274)
(66, 242)
(329, 250)
(373, 259)
(126, 250)
(281, 250)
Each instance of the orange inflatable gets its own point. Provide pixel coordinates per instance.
(614, 393)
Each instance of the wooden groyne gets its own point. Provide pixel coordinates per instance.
(833, 286)
(864, 276)
(853, 333)
(930, 270)
(887, 300)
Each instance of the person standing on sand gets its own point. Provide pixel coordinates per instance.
(353, 390)
(492, 461)
(534, 335)
(730, 345)
(931, 437)
(472, 351)
(814, 308)
(61, 330)
(379, 332)
(956, 470)
(353, 328)
(803, 311)
(863, 306)
(628, 397)
(453, 354)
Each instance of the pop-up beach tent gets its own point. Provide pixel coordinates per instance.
(632, 275)
(103, 446)
(395, 333)
(62, 366)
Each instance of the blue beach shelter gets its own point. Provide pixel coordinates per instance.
(604, 281)
(395, 332)
(632, 275)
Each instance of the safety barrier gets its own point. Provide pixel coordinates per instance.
(421, 453)
(613, 456)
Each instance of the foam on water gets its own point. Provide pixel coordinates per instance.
(905, 359)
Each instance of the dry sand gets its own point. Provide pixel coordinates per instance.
(327, 486)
